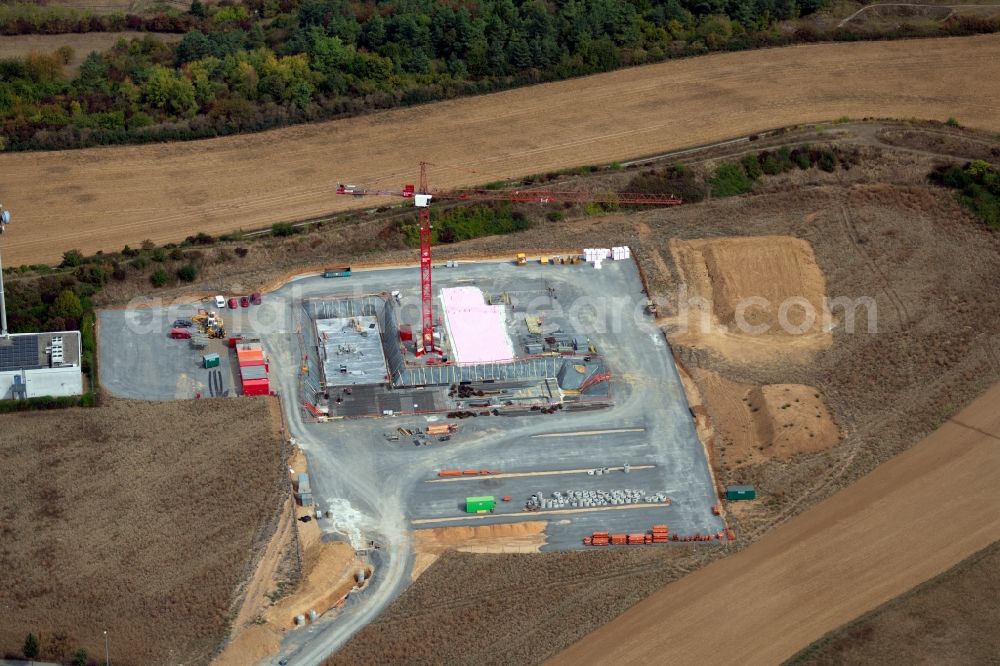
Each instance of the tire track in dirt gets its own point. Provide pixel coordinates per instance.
(902, 315)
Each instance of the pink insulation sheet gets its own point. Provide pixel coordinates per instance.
(478, 332)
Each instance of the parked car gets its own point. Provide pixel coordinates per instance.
(255, 298)
(244, 301)
(180, 333)
(183, 323)
(220, 301)
(233, 304)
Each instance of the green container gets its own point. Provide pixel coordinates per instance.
(480, 504)
(342, 271)
(736, 493)
(210, 360)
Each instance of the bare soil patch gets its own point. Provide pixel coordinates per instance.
(166, 192)
(756, 298)
(429, 544)
(328, 573)
(942, 141)
(19, 46)
(950, 619)
(139, 518)
(797, 420)
(756, 423)
(910, 519)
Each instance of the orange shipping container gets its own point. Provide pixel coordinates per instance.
(250, 355)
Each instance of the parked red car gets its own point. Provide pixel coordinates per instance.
(255, 298)
(233, 304)
(180, 334)
(244, 301)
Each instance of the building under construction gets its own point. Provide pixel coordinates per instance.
(362, 360)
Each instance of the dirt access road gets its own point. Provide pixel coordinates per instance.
(106, 197)
(909, 520)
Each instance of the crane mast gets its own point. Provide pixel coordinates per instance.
(422, 196)
(423, 200)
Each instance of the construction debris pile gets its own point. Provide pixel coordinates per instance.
(659, 534)
(591, 498)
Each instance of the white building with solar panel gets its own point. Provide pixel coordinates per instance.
(39, 364)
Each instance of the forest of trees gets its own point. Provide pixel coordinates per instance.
(263, 63)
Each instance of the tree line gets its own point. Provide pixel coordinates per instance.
(265, 63)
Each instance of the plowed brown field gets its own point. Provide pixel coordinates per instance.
(104, 198)
(912, 518)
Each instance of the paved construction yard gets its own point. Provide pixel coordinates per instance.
(379, 485)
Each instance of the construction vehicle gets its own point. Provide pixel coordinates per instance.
(650, 307)
(521, 259)
(209, 323)
(422, 197)
(543, 260)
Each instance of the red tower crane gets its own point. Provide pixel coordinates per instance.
(422, 198)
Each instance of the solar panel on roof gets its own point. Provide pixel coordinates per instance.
(21, 353)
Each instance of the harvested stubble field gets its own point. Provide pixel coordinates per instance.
(911, 519)
(139, 518)
(930, 269)
(19, 46)
(950, 619)
(103, 198)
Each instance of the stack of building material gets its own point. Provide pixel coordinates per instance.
(595, 255)
(619, 253)
(660, 534)
(619, 539)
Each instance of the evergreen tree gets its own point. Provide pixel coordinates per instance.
(31, 647)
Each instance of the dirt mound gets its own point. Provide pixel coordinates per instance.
(797, 420)
(756, 298)
(756, 423)
(103, 198)
(773, 268)
(429, 544)
(907, 521)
